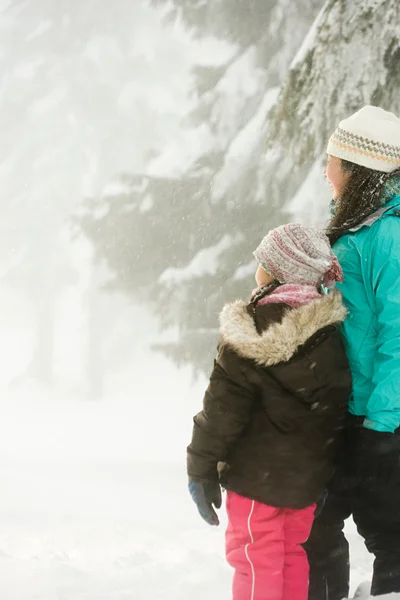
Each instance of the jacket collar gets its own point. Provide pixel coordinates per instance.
(281, 340)
(392, 205)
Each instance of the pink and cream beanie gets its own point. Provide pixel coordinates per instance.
(299, 255)
(370, 137)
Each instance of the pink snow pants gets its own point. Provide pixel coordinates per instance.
(263, 546)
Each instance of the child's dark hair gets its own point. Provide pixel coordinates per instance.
(265, 290)
(362, 195)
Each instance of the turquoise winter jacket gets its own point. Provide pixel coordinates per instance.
(370, 258)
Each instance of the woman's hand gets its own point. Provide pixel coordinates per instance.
(376, 457)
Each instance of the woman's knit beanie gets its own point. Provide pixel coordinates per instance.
(370, 137)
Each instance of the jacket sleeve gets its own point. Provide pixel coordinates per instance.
(383, 408)
(226, 412)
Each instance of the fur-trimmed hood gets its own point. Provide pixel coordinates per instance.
(280, 341)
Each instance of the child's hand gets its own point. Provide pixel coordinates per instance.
(205, 496)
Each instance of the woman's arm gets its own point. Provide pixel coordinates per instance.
(383, 408)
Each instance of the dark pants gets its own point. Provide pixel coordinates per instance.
(376, 513)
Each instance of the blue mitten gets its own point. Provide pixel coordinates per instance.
(206, 495)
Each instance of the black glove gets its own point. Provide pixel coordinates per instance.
(376, 457)
(206, 495)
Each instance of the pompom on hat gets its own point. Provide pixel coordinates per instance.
(370, 138)
(299, 255)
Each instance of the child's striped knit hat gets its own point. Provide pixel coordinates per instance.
(299, 255)
(370, 137)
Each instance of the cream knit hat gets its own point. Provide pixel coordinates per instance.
(370, 137)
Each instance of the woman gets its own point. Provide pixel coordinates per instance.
(364, 173)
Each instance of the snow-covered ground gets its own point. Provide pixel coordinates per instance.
(110, 530)
(104, 530)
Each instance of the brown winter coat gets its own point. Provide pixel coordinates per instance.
(276, 402)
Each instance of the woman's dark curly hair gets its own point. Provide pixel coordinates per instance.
(362, 195)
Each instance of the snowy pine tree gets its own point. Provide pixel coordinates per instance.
(185, 243)
(71, 73)
(350, 58)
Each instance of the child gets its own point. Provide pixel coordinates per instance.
(273, 414)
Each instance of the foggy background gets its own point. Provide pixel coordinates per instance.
(146, 148)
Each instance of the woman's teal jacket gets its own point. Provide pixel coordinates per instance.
(370, 258)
